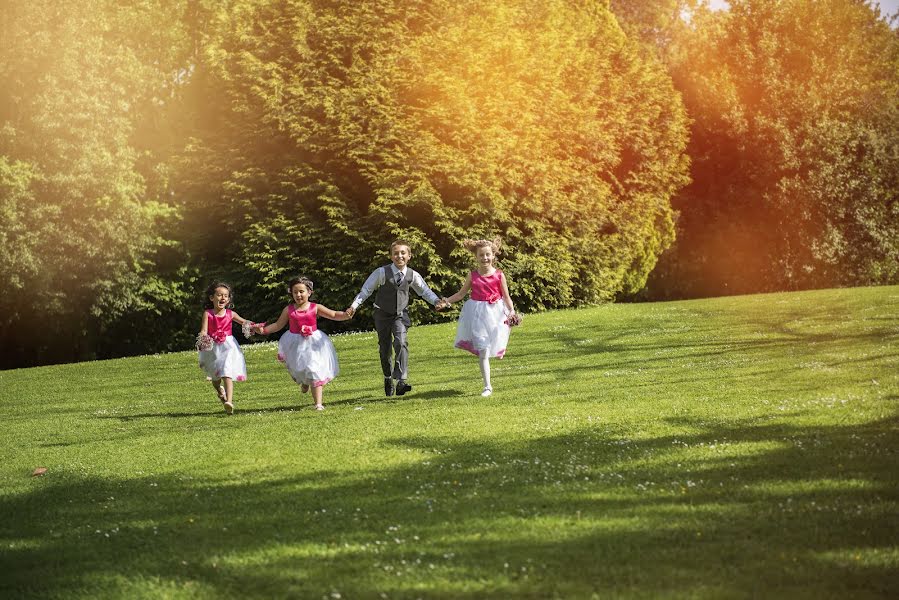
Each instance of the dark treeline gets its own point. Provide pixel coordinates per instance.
(638, 150)
(794, 147)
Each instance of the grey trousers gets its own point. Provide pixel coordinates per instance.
(392, 343)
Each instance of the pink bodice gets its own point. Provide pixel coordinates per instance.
(487, 288)
(218, 328)
(303, 318)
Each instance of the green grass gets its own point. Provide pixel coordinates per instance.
(725, 448)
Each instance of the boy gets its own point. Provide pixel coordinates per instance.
(392, 283)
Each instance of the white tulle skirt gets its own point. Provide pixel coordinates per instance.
(310, 360)
(224, 360)
(481, 327)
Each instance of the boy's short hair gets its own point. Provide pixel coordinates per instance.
(400, 242)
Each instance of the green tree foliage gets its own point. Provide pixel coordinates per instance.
(81, 195)
(271, 138)
(659, 23)
(794, 149)
(322, 130)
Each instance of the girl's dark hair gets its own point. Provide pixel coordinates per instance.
(299, 279)
(207, 303)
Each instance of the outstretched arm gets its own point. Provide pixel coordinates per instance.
(277, 325)
(236, 317)
(334, 315)
(421, 288)
(374, 281)
(463, 291)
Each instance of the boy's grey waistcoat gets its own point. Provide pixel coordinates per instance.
(390, 297)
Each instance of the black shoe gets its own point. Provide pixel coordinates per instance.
(402, 387)
(388, 386)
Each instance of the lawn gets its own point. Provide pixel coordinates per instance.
(743, 447)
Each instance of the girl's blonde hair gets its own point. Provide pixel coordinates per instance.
(473, 245)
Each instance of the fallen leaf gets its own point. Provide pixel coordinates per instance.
(39, 471)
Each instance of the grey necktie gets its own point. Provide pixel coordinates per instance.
(399, 278)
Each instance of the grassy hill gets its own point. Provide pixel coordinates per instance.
(726, 448)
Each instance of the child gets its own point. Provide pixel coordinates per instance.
(484, 325)
(220, 356)
(307, 352)
(393, 283)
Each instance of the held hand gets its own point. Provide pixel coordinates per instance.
(350, 312)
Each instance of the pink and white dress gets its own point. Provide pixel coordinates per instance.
(226, 358)
(482, 324)
(307, 353)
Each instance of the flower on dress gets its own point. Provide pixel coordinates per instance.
(219, 336)
(306, 330)
(494, 297)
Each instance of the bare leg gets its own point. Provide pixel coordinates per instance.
(317, 396)
(217, 386)
(229, 395)
(484, 363)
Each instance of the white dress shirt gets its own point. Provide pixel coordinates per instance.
(376, 280)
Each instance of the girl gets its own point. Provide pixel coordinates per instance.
(307, 353)
(485, 322)
(220, 356)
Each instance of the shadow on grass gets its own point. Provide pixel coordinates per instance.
(164, 415)
(303, 403)
(749, 511)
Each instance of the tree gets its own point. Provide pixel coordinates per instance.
(80, 194)
(146, 147)
(794, 150)
(344, 125)
(658, 23)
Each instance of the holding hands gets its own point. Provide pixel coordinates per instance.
(251, 328)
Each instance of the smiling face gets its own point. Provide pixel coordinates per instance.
(300, 294)
(220, 298)
(400, 255)
(484, 256)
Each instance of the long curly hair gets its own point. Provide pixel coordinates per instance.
(207, 303)
(495, 244)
